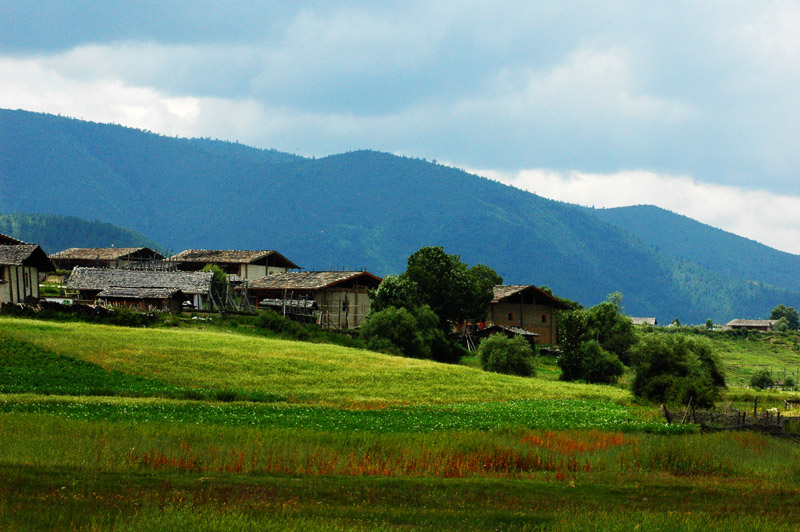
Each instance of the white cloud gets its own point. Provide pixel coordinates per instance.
(768, 218)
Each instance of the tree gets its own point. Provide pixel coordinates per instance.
(582, 356)
(709, 324)
(762, 379)
(219, 274)
(454, 291)
(512, 356)
(611, 329)
(675, 368)
(394, 331)
(394, 291)
(791, 315)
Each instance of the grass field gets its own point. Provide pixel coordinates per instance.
(125, 429)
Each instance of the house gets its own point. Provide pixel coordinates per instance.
(753, 325)
(335, 300)
(22, 267)
(90, 283)
(644, 321)
(244, 264)
(526, 307)
(104, 257)
(147, 299)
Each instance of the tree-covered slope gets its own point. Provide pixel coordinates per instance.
(55, 233)
(718, 250)
(358, 209)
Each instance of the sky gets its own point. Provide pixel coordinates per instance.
(691, 106)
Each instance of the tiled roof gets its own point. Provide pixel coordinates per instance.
(10, 240)
(103, 278)
(102, 253)
(310, 280)
(504, 291)
(752, 323)
(25, 255)
(230, 256)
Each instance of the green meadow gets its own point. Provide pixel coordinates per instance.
(129, 429)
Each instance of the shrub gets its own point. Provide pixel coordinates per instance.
(598, 365)
(788, 383)
(762, 379)
(583, 358)
(513, 356)
(394, 329)
(674, 368)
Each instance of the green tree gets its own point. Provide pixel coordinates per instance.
(219, 274)
(611, 329)
(512, 356)
(583, 357)
(675, 368)
(762, 379)
(394, 291)
(791, 315)
(394, 331)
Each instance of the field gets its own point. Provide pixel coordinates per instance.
(110, 428)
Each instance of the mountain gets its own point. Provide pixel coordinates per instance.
(718, 250)
(56, 233)
(358, 209)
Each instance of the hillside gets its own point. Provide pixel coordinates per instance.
(359, 209)
(718, 250)
(55, 233)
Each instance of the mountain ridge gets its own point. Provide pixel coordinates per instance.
(356, 209)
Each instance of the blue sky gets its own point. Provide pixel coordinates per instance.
(688, 105)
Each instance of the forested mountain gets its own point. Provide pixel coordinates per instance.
(713, 248)
(56, 233)
(359, 209)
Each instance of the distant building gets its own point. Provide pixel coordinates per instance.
(131, 286)
(754, 325)
(336, 300)
(22, 267)
(104, 257)
(526, 307)
(8, 240)
(644, 321)
(244, 264)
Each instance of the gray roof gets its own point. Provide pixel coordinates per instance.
(311, 280)
(231, 256)
(644, 321)
(25, 255)
(5, 239)
(116, 292)
(504, 291)
(103, 278)
(752, 323)
(104, 253)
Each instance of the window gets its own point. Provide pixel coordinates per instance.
(510, 316)
(544, 318)
(2, 274)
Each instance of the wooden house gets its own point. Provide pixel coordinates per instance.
(196, 287)
(526, 307)
(336, 300)
(241, 264)
(753, 325)
(104, 257)
(22, 267)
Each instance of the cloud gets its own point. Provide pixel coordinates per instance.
(769, 218)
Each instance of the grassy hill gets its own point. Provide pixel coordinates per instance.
(347, 440)
(55, 233)
(353, 210)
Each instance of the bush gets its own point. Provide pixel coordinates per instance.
(788, 383)
(762, 379)
(394, 330)
(598, 365)
(512, 356)
(674, 368)
(583, 358)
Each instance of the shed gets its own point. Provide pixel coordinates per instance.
(165, 299)
(526, 307)
(90, 282)
(243, 263)
(22, 267)
(336, 300)
(510, 332)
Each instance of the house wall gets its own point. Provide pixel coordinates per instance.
(19, 283)
(525, 316)
(332, 305)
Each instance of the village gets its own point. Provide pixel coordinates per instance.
(145, 280)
